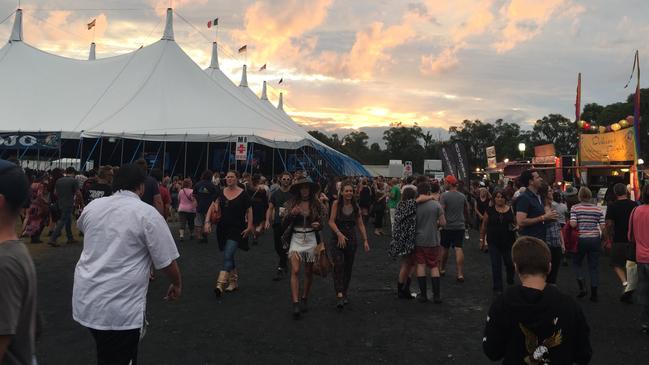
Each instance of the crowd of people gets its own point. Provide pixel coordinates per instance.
(527, 227)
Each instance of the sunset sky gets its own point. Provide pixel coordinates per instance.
(364, 64)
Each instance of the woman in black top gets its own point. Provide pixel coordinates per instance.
(232, 229)
(259, 201)
(500, 230)
(345, 217)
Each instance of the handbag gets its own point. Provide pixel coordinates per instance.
(630, 248)
(215, 216)
(322, 265)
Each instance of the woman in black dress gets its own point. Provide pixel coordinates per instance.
(345, 217)
(232, 229)
(500, 230)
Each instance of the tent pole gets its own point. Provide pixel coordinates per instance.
(121, 156)
(164, 155)
(185, 163)
(101, 149)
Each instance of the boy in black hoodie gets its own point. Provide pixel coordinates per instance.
(534, 323)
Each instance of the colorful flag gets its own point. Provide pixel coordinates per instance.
(214, 22)
(262, 67)
(92, 24)
(578, 100)
(280, 81)
(243, 49)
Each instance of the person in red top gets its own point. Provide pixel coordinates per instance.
(164, 192)
(639, 232)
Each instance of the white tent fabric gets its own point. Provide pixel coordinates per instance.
(154, 93)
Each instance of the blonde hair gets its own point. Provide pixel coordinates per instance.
(585, 194)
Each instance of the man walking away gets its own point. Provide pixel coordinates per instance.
(456, 209)
(17, 273)
(66, 190)
(123, 237)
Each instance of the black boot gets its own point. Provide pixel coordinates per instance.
(582, 288)
(593, 294)
(422, 297)
(437, 296)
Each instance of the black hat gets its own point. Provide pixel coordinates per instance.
(299, 183)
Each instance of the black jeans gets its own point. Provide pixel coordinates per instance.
(279, 249)
(557, 256)
(116, 347)
(501, 254)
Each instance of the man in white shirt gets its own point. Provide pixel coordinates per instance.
(123, 237)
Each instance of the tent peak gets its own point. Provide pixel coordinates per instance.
(264, 95)
(215, 56)
(280, 104)
(169, 27)
(17, 32)
(244, 77)
(91, 55)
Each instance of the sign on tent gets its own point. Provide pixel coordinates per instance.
(241, 151)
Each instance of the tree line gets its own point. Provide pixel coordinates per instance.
(410, 143)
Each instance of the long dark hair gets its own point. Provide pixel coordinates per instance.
(341, 200)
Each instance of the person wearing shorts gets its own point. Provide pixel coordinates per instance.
(430, 216)
(455, 208)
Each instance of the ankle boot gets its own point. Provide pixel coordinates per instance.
(233, 282)
(437, 296)
(593, 294)
(221, 282)
(422, 297)
(582, 288)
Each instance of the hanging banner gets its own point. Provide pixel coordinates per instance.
(22, 140)
(454, 161)
(241, 150)
(607, 147)
(491, 157)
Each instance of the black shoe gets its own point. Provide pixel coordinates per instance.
(279, 274)
(422, 298)
(627, 297)
(297, 312)
(303, 305)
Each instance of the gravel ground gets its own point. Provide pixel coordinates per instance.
(254, 325)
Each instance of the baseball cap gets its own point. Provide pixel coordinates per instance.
(450, 179)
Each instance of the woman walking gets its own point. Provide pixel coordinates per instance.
(345, 217)
(403, 239)
(232, 231)
(553, 236)
(303, 220)
(497, 234)
(380, 194)
(186, 209)
(588, 219)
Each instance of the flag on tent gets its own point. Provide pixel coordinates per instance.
(262, 67)
(214, 22)
(280, 81)
(243, 49)
(92, 24)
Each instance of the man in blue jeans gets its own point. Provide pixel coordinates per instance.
(66, 189)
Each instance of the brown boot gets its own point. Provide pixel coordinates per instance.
(221, 282)
(233, 282)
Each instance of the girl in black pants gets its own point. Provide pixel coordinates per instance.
(345, 216)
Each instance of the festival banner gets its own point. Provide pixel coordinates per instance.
(608, 147)
(454, 161)
(23, 140)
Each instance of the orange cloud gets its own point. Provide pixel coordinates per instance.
(526, 18)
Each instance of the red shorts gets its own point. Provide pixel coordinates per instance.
(428, 256)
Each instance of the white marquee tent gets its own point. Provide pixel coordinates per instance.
(155, 93)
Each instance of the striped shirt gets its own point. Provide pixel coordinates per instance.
(589, 217)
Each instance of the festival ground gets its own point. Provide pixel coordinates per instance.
(254, 325)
